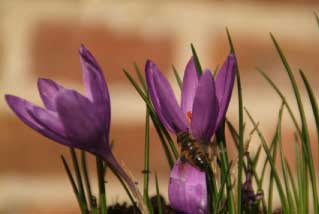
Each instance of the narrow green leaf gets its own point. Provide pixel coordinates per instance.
(258, 180)
(138, 89)
(302, 203)
(257, 156)
(241, 129)
(276, 141)
(101, 182)
(271, 178)
(169, 140)
(168, 155)
(221, 141)
(314, 107)
(74, 187)
(140, 77)
(196, 60)
(314, 104)
(79, 178)
(230, 42)
(292, 182)
(212, 188)
(267, 78)
(225, 177)
(286, 181)
(158, 197)
(87, 179)
(146, 170)
(152, 113)
(177, 77)
(273, 166)
(305, 134)
(271, 148)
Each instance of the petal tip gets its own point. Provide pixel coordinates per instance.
(41, 81)
(232, 57)
(149, 64)
(208, 73)
(9, 98)
(83, 49)
(150, 67)
(191, 60)
(12, 100)
(87, 58)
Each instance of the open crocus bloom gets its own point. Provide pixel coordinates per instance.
(72, 119)
(204, 102)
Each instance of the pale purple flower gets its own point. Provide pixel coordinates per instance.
(204, 102)
(187, 188)
(72, 119)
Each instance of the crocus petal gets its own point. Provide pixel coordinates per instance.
(48, 119)
(23, 109)
(187, 189)
(80, 119)
(190, 83)
(224, 85)
(95, 85)
(163, 99)
(168, 103)
(205, 108)
(48, 90)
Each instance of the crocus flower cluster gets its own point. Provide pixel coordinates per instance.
(204, 102)
(72, 119)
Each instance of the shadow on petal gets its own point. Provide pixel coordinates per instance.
(80, 119)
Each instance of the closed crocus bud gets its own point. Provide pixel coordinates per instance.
(187, 189)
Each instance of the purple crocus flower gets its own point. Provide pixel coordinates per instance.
(72, 119)
(204, 102)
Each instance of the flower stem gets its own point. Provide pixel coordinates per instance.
(102, 195)
(119, 171)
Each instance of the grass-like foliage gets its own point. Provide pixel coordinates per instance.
(234, 185)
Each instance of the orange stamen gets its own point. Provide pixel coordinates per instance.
(189, 116)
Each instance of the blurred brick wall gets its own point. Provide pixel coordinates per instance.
(41, 38)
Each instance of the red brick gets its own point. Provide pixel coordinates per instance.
(55, 44)
(30, 153)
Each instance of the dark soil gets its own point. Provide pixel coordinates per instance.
(130, 209)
